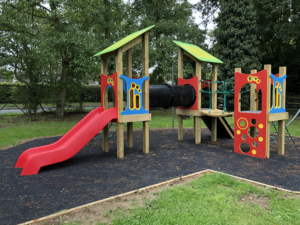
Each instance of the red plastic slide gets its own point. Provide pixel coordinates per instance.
(68, 145)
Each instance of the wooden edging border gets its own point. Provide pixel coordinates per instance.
(153, 186)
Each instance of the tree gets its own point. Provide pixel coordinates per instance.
(173, 21)
(237, 42)
(57, 39)
(279, 35)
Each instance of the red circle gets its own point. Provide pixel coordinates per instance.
(132, 85)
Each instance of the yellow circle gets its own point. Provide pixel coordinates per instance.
(261, 126)
(250, 78)
(258, 81)
(239, 125)
(238, 132)
(254, 152)
(260, 139)
(255, 78)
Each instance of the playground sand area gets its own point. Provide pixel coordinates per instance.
(92, 175)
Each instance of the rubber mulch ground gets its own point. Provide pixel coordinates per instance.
(92, 175)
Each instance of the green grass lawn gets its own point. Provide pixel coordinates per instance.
(16, 128)
(211, 199)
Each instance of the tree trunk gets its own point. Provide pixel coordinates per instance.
(60, 106)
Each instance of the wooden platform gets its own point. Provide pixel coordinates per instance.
(204, 112)
(215, 113)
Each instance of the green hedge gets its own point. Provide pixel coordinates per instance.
(43, 93)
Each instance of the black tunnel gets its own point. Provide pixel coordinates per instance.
(166, 96)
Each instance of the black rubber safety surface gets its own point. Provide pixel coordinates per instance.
(92, 175)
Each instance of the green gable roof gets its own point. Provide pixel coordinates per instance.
(198, 52)
(123, 41)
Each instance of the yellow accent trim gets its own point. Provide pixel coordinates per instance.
(260, 139)
(254, 152)
(246, 125)
(261, 126)
(250, 78)
(238, 132)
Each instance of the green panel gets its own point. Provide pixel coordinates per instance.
(198, 52)
(123, 41)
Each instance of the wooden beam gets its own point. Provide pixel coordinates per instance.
(229, 131)
(278, 116)
(194, 131)
(145, 61)
(187, 59)
(129, 74)
(282, 72)
(214, 86)
(104, 71)
(129, 63)
(281, 123)
(107, 55)
(146, 137)
(180, 62)
(214, 122)
(180, 127)
(268, 67)
(239, 70)
(105, 139)
(188, 112)
(129, 135)
(134, 118)
(190, 56)
(132, 43)
(105, 106)
(119, 68)
(197, 129)
(198, 71)
(120, 126)
(145, 72)
(120, 140)
(253, 105)
(197, 119)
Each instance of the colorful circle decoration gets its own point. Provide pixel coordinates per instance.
(254, 152)
(110, 81)
(261, 126)
(240, 121)
(260, 139)
(250, 78)
(238, 132)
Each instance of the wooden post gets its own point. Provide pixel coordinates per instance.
(180, 128)
(105, 106)
(268, 67)
(281, 123)
(197, 129)
(145, 46)
(120, 126)
(129, 74)
(239, 70)
(214, 102)
(197, 122)
(253, 106)
(180, 75)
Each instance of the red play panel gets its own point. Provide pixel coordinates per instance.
(194, 82)
(243, 120)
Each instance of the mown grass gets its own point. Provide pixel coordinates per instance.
(212, 199)
(17, 127)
